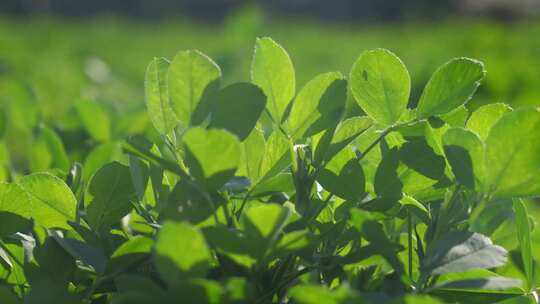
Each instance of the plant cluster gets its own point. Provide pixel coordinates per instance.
(256, 193)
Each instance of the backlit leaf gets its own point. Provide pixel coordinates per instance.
(381, 84)
(157, 96)
(451, 86)
(192, 79)
(273, 71)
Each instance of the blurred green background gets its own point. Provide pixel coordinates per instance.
(68, 65)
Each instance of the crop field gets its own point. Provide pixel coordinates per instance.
(269, 162)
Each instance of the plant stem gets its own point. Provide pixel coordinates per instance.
(244, 202)
(383, 135)
(410, 244)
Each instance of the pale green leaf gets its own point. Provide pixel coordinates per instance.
(181, 251)
(451, 86)
(276, 157)
(212, 155)
(523, 226)
(273, 71)
(95, 119)
(485, 117)
(15, 200)
(318, 106)
(192, 78)
(381, 85)
(253, 149)
(52, 202)
(512, 157)
(157, 96)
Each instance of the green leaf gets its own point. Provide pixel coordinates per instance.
(109, 195)
(525, 242)
(14, 199)
(55, 264)
(465, 154)
(451, 86)
(373, 232)
(273, 71)
(263, 225)
(332, 142)
(253, 151)
(312, 294)
(5, 259)
(381, 85)
(129, 253)
(343, 176)
(387, 182)
(461, 251)
(157, 96)
(140, 174)
(239, 247)
(95, 120)
(181, 252)
(83, 252)
(318, 106)
(512, 158)
(186, 203)
(457, 117)
(7, 296)
(100, 156)
(485, 117)
(420, 157)
(276, 156)
(416, 299)
(415, 207)
(212, 156)
(192, 79)
(15, 275)
(266, 220)
(48, 152)
(238, 108)
(51, 202)
(493, 283)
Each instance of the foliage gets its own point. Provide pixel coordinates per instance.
(257, 193)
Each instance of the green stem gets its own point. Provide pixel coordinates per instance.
(443, 212)
(479, 207)
(410, 244)
(374, 144)
(243, 205)
(383, 135)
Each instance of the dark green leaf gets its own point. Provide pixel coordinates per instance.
(465, 154)
(238, 108)
(109, 195)
(343, 176)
